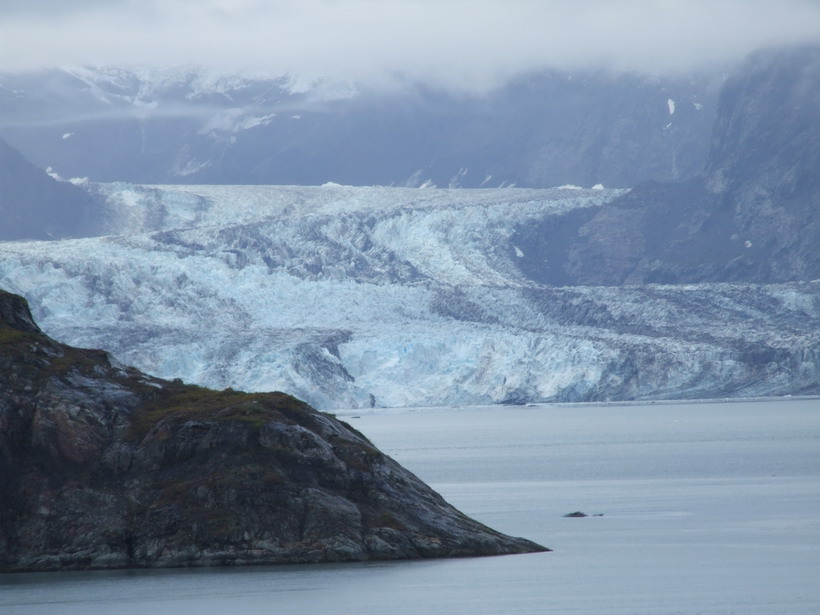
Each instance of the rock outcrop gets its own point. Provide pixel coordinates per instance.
(102, 466)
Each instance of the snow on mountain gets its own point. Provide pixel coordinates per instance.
(194, 125)
(349, 297)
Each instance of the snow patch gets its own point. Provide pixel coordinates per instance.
(189, 167)
(321, 89)
(233, 121)
(455, 180)
(254, 121)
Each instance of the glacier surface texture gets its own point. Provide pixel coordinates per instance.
(355, 297)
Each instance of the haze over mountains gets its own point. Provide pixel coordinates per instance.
(395, 296)
(194, 126)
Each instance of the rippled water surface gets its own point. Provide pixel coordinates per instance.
(706, 508)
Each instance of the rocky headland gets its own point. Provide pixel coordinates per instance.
(102, 466)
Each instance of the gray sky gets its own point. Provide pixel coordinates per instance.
(466, 43)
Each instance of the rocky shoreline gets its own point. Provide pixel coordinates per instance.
(102, 466)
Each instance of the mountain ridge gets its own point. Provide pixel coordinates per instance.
(402, 296)
(188, 126)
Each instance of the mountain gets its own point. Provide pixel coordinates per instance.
(351, 297)
(34, 205)
(102, 466)
(751, 216)
(188, 125)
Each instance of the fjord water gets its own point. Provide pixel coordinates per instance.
(706, 508)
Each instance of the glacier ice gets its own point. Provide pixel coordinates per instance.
(353, 296)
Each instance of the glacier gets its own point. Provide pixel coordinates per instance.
(352, 297)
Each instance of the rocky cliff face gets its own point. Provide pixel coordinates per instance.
(104, 467)
(36, 206)
(751, 216)
(763, 167)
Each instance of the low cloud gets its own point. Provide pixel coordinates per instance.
(471, 44)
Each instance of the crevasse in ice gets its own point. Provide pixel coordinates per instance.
(350, 296)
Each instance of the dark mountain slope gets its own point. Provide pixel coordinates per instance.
(104, 467)
(33, 205)
(752, 216)
(765, 163)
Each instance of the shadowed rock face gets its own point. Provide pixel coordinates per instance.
(104, 467)
(36, 206)
(751, 216)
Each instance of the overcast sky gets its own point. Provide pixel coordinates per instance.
(466, 43)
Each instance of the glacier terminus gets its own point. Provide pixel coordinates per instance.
(381, 296)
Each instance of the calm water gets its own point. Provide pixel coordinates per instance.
(707, 508)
